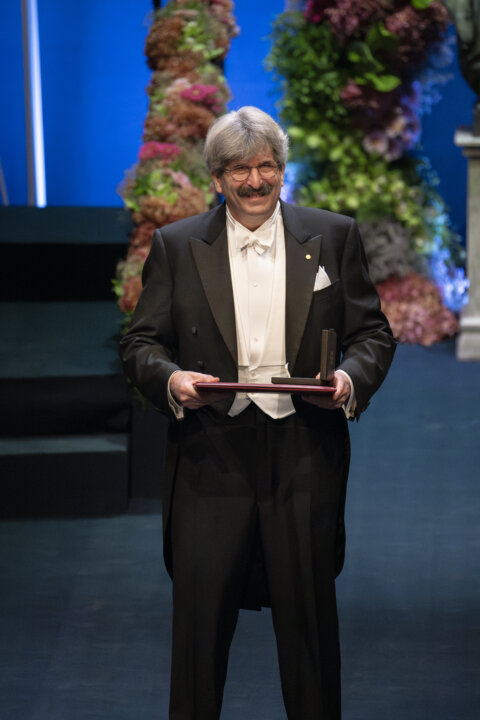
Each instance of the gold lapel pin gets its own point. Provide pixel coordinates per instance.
(308, 257)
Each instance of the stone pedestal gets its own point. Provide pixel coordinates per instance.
(468, 342)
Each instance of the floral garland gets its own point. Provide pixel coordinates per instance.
(187, 92)
(356, 77)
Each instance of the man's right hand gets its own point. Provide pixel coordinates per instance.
(182, 387)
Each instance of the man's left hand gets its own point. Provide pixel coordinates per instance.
(337, 399)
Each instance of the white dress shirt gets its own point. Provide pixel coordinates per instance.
(257, 266)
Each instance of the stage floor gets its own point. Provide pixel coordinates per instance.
(85, 603)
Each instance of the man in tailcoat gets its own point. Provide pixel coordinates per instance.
(255, 483)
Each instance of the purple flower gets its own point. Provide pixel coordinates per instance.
(443, 55)
(395, 150)
(413, 98)
(346, 17)
(398, 125)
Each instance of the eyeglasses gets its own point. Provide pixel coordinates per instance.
(267, 171)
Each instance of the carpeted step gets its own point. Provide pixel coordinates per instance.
(64, 406)
(64, 475)
(72, 251)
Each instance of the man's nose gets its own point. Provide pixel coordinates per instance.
(254, 179)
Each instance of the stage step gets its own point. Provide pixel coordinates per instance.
(64, 475)
(65, 413)
(73, 405)
(60, 253)
(71, 443)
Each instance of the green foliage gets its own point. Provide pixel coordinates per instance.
(361, 185)
(198, 35)
(312, 68)
(305, 59)
(367, 59)
(196, 38)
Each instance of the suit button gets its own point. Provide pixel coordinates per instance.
(194, 330)
(200, 364)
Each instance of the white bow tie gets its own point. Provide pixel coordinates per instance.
(260, 245)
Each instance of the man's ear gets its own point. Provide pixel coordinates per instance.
(217, 184)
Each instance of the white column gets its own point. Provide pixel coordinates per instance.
(468, 341)
(37, 192)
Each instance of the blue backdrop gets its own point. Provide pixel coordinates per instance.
(94, 77)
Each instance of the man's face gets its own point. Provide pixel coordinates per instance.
(252, 200)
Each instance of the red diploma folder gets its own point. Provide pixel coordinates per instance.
(264, 387)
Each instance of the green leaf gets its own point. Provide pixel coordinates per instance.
(383, 83)
(359, 52)
(335, 154)
(132, 205)
(379, 38)
(421, 4)
(352, 202)
(296, 133)
(313, 141)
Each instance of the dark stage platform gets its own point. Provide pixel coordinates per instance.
(85, 607)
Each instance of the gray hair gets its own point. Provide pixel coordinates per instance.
(239, 135)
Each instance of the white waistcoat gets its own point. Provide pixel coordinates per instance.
(258, 279)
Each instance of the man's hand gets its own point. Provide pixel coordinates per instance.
(335, 400)
(183, 389)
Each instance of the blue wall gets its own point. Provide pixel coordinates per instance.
(94, 103)
(12, 114)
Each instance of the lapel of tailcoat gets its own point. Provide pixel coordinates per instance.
(302, 256)
(210, 253)
(302, 253)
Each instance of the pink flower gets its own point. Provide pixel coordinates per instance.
(315, 10)
(140, 253)
(181, 179)
(132, 288)
(151, 149)
(415, 310)
(200, 93)
(346, 17)
(351, 91)
(365, 97)
(177, 86)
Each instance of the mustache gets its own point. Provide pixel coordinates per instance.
(264, 189)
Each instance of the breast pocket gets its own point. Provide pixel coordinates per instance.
(326, 310)
(327, 293)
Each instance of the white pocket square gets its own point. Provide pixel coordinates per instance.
(321, 279)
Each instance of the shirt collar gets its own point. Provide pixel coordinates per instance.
(264, 229)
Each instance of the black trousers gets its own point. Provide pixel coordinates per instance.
(247, 484)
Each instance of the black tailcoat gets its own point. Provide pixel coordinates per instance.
(185, 317)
